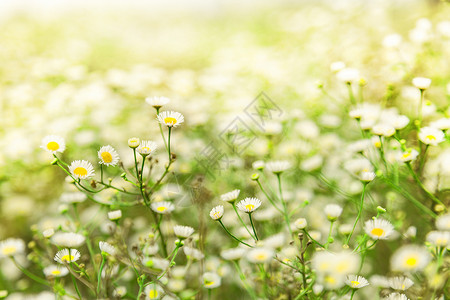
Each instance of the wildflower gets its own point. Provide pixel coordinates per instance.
(442, 124)
(47, 233)
(333, 211)
(443, 222)
(410, 258)
(431, 136)
(367, 176)
(120, 291)
(108, 156)
(348, 75)
(53, 144)
(337, 66)
(260, 255)
(73, 197)
(157, 102)
(211, 280)
(157, 263)
(249, 205)
(400, 122)
(408, 155)
(439, 238)
(81, 169)
(162, 207)
(421, 83)
(278, 166)
(183, 232)
(193, 253)
(396, 296)
(170, 118)
(115, 215)
(378, 229)
(11, 247)
(67, 239)
(300, 223)
(67, 256)
(230, 196)
(153, 291)
(383, 129)
(258, 165)
(217, 212)
(400, 283)
(233, 254)
(106, 248)
(356, 282)
(55, 271)
(133, 142)
(146, 148)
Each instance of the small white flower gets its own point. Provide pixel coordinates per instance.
(73, 197)
(400, 122)
(146, 148)
(356, 282)
(211, 280)
(55, 271)
(53, 144)
(217, 212)
(400, 283)
(333, 211)
(439, 238)
(421, 83)
(11, 247)
(278, 166)
(134, 142)
(162, 207)
(153, 291)
(408, 155)
(170, 118)
(396, 296)
(115, 215)
(120, 291)
(249, 205)
(300, 223)
(230, 196)
(81, 169)
(108, 156)
(348, 75)
(443, 222)
(64, 256)
(193, 253)
(67, 239)
(156, 263)
(107, 248)
(337, 66)
(157, 102)
(431, 136)
(260, 255)
(442, 124)
(233, 254)
(47, 233)
(379, 229)
(383, 129)
(258, 165)
(183, 232)
(367, 176)
(410, 258)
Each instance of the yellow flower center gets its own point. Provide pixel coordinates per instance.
(216, 215)
(377, 231)
(170, 120)
(377, 144)
(412, 261)
(145, 149)
(261, 256)
(249, 207)
(330, 279)
(406, 155)
(67, 258)
(56, 272)
(161, 208)
(9, 250)
(209, 283)
(53, 146)
(153, 294)
(430, 137)
(354, 283)
(80, 171)
(106, 157)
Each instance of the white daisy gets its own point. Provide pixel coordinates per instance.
(300, 223)
(443, 222)
(258, 165)
(333, 211)
(183, 232)
(356, 282)
(67, 239)
(156, 263)
(400, 283)
(193, 253)
(348, 75)
(153, 291)
(147, 147)
(73, 197)
(410, 258)
(55, 271)
(383, 129)
(53, 144)
(217, 212)
(157, 102)
(278, 166)
(379, 229)
(162, 207)
(408, 155)
(115, 215)
(134, 142)
(421, 83)
(211, 280)
(249, 205)
(108, 156)
(439, 238)
(81, 169)
(233, 254)
(400, 122)
(170, 118)
(260, 255)
(107, 248)
(431, 136)
(11, 247)
(64, 256)
(396, 296)
(230, 196)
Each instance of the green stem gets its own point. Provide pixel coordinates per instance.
(359, 213)
(416, 178)
(99, 277)
(383, 158)
(161, 130)
(161, 236)
(419, 109)
(353, 293)
(74, 281)
(101, 173)
(267, 196)
(223, 226)
(253, 227)
(136, 164)
(311, 238)
(286, 215)
(142, 167)
(422, 158)
(168, 143)
(329, 235)
(242, 221)
(244, 280)
(29, 274)
(350, 93)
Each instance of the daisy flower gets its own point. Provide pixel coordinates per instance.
(383, 129)
(115, 215)
(67, 256)
(300, 223)
(217, 212)
(379, 229)
(153, 291)
(260, 255)
(421, 83)
(396, 296)
(156, 263)
(258, 165)
(193, 253)
(73, 197)
(249, 205)
(356, 282)
(11, 247)
(81, 169)
(230, 196)
(108, 156)
(439, 238)
(211, 280)
(443, 222)
(408, 155)
(162, 207)
(107, 248)
(183, 232)
(67, 239)
(410, 258)
(133, 142)
(348, 75)
(333, 211)
(170, 118)
(431, 136)
(55, 271)
(400, 283)
(146, 148)
(53, 144)
(157, 102)
(278, 167)
(233, 254)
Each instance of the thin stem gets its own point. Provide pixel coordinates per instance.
(419, 109)
(329, 235)
(29, 274)
(253, 227)
(353, 293)
(223, 226)
(74, 281)
(142, 167)
(267, 196)
(161, 130)
(383, 158)
(168, 143)
(416, 178)
(350, 93)
(244, 280)
(136, 164)
(99, 277)
(312, 239)
(422, 158)
(101, 173)
(161, 236)
(359, 213)
(242, 221)
(286, 215)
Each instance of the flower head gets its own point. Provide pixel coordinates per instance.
(183, 232)
(233, 253)
(439, 238)
(55, 271)
(300, 223)
(379, 229)
(53, 144)
(230, 196)
(157, 102)
(431, 136)
(260, 255)
(249, 205)
(356, 282)
(108, 156)
(278, 166)
(333, 211)
(162, 207)
(170, 118)
(421, 83)
(115, 215)
(217, 212)
(211, 280)
(153, 291)
(147, 147)
(66, 256)
(400, 283)
(81, 169)
(134, 142)
(408, 155)
(443, 222)
(410, 258)
(107, 248)
(11, 247)
(67, 239)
